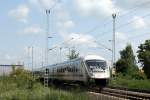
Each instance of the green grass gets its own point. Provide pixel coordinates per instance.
(20, 85)
(10, 90)
(130, 83)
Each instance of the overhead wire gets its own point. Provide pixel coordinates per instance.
(59, 45)
(43, 7)
(122, 15)
(123, 25)
(135, 37)
(146, 15)
(102, 45)
(106, 32)
(133, 9)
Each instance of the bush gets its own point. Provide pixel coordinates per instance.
(20, 85)
(22, 78)
(128, 82)
(138, 75)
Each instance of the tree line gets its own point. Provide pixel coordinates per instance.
(127, 64)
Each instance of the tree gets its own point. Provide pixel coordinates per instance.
(127, 62)
(144, 57)
(73, 54)
(121, 66)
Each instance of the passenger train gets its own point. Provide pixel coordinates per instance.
(91, 68)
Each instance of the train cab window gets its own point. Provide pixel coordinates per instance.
(96, 64)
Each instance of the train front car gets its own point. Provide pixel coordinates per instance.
(98, 69)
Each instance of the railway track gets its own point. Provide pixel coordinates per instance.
(122, 93)
(116, 92)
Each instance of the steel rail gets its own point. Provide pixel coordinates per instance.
(122, 93)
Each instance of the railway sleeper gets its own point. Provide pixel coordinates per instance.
(129, 93)
(122, 96)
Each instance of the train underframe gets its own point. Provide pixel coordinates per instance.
(101, 82)
(97, 82)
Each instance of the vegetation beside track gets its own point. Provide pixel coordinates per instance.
(128, 74)
(126, 82)
(21, 86)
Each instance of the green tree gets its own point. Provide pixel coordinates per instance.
(73, 54)
(144, 57)
(127, 63)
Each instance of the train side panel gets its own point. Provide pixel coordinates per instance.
(70, 71)
(83, 69)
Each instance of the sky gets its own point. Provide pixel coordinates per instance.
(23, 24)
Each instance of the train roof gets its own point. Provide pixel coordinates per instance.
(68, 61)
(90, 57)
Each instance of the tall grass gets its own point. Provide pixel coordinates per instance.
(130, 83)
(23, 87)
(9, 90)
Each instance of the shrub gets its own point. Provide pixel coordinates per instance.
(20, 85)
(128, 82)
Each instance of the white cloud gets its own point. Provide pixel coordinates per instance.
(62, 14)
(121, 40)
(45, 4)
(67, 24)
(102, 8)
(139, 22)
(95, 7)
(64, 21)
(121, 36)
(80, 39)
(35, 29)
(133, 3)
(20, 13)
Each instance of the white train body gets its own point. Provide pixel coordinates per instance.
(84, 69)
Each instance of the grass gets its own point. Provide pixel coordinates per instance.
(21, 86)
(10, 90)
(130, 83)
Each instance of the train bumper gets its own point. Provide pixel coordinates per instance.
(100, 75)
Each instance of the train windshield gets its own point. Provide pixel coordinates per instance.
(95, 65)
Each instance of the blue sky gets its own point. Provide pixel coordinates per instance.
(23, 24)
